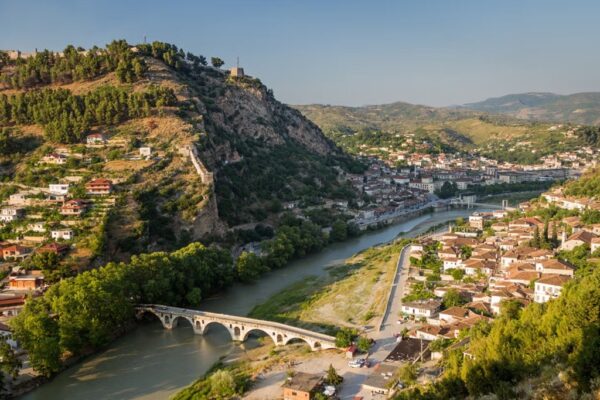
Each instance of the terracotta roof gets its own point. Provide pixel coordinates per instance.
(583, 236)
(456, 312)
(555, 280)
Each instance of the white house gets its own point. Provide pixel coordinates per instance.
(37, 227)
(65, 234)
(451, 263)
(9, 214)
(549, 287)
(54, 158)
(96, 139)
(59, 188)
(145, 152)
(554, 267)
(420, 309)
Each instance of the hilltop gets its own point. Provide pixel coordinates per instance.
(577, 108)
(385, 129)
(190, 149)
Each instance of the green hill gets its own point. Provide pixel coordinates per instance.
(578, 108)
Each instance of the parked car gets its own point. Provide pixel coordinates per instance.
(358, 363)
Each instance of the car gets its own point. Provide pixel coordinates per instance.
(358, 363)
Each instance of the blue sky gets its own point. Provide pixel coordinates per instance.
(343, 51)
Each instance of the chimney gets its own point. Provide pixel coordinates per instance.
(563, 238)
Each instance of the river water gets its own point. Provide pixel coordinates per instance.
(152, 363)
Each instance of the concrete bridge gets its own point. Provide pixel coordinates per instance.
(469, 204)
(239, 327)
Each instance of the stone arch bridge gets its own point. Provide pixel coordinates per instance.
(239, 327)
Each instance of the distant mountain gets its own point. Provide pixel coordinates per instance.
(579, 108)
(382, 116)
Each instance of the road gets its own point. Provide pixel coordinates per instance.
(383, 335)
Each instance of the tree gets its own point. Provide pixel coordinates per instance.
(9, 362)
(216, 62)
(448, 189)
(465, 252)
(222, 385)
(249, 267)
(339, 231)
(332, 377)
(452, 298)
(554, 241)
(344, 337)
(457, 273)
(408, 374)
(363, 344)
(536, 241)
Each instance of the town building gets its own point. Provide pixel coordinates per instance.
(73, 207)
(301, 386)
(549, 287)
(99, 186)
(421, 309)
(9, 214)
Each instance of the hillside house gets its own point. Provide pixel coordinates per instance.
(578, 239)
(554, 266)
(26, 282)
(55, 158)
(549, 287)
(74, 207)
(99, 186)
(62, 234)
(59, 188)
(56, 248)
(145, 152)
(96, 139)
(15, 252)
(9, 214)
(37, 227)
(11, 305)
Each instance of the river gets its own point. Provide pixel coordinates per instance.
(152, 363)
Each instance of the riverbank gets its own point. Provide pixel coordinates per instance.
(353, 294)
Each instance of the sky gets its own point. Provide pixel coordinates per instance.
(346, 52)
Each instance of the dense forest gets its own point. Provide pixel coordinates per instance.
(67, 117)
(74, 64)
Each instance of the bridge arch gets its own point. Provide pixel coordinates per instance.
(217, 323)
(277, 340)
(176, 318)
(296, 340)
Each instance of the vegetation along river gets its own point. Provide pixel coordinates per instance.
(153, 363)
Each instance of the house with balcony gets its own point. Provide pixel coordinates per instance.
(99, 186)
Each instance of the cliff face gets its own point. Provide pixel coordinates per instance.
(260, 151)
